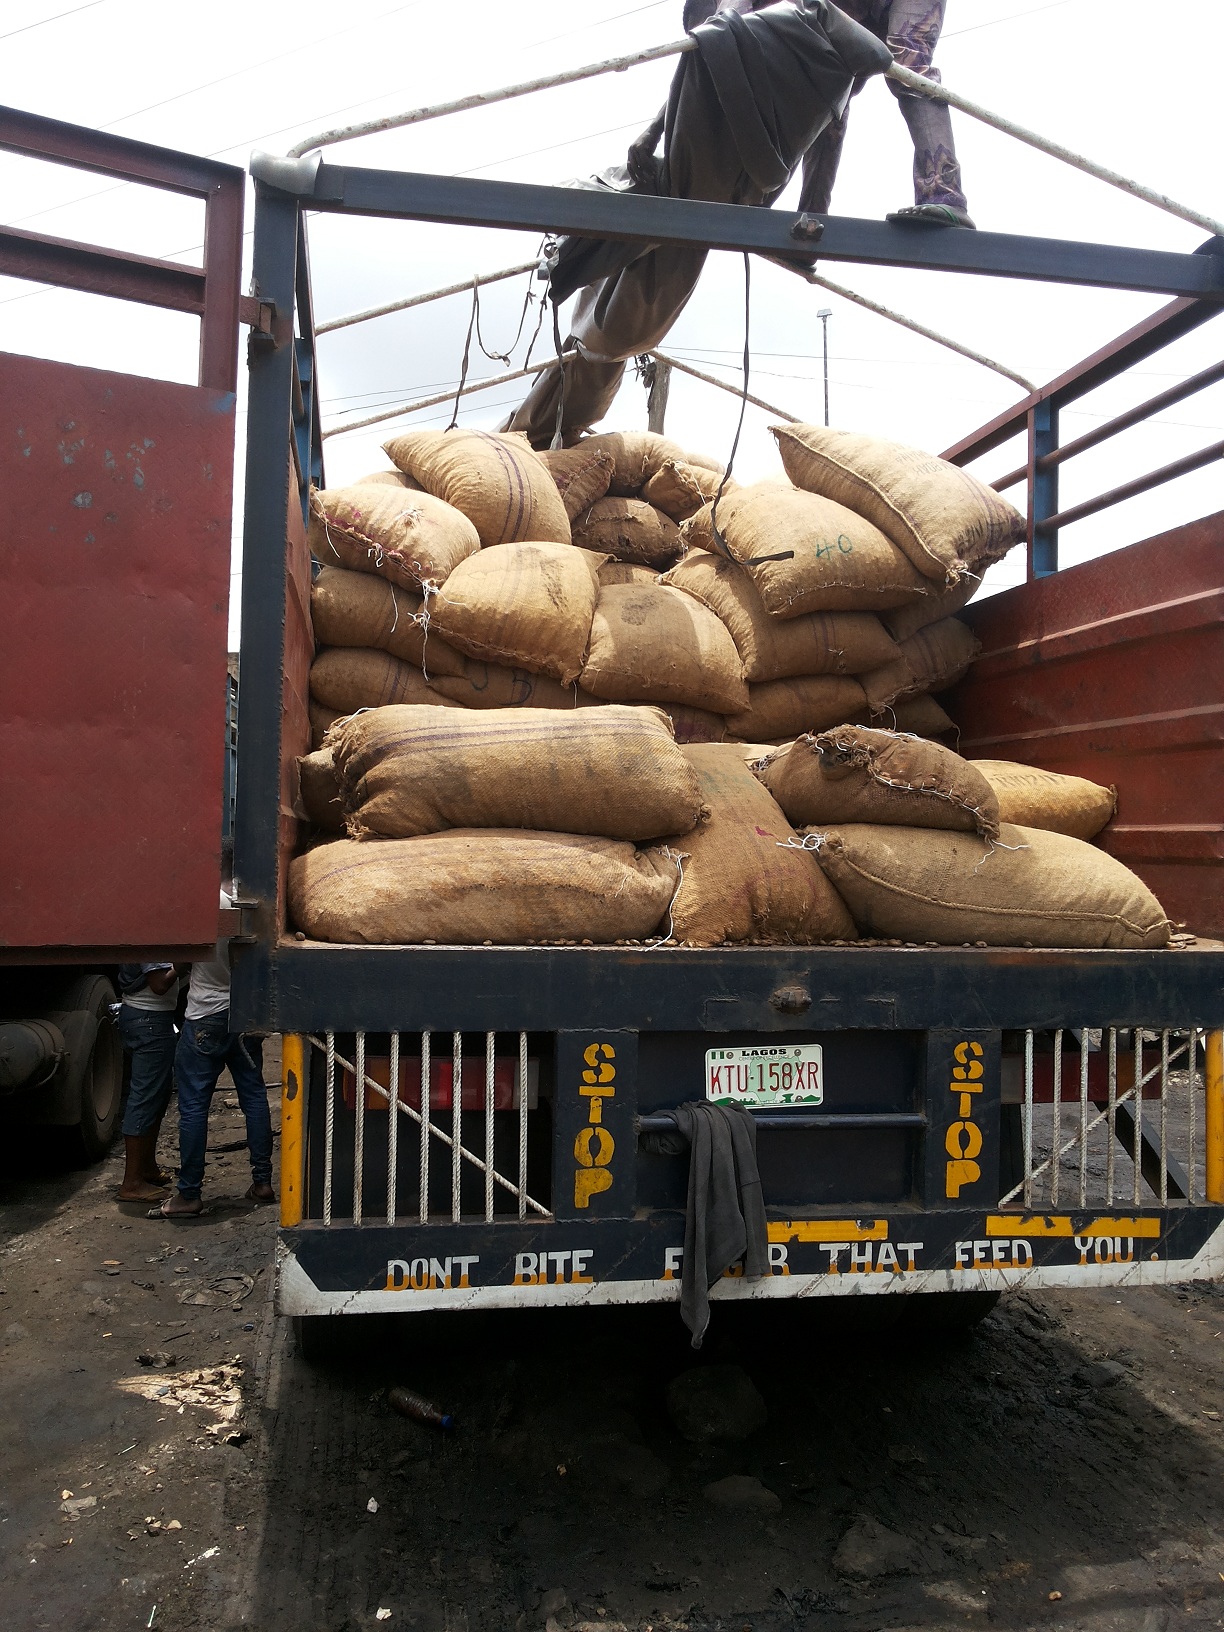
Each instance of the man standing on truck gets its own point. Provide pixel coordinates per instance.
(910, 29)
(150, 994)
(206, 1047)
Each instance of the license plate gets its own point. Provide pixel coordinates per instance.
(774, 1074)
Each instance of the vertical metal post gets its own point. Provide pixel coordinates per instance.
(1137, 1143)
(1028, 1119)
(456, 1124)
(1214, 1116)
(1111, 1152)
(426, 1124)
(824, 315)
(1164, 1118)
(1042, 489)
(293, 1105)
(656, 401)
(522, 1125)
(329, 1127)
(1056, 1118)
(393, 1115)
(490, 1101)
(359, 1085)
(1083, 1109)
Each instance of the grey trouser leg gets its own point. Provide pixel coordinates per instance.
(911, 29)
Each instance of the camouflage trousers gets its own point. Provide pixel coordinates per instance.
(910, 29)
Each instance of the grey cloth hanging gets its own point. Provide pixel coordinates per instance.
(724, 1219)
(742, 111)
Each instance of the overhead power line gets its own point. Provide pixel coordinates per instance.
(42, 22)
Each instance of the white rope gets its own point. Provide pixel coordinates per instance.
(445, 396)
(905, 322)
(1055, 150)
(485, 99)
(423, 300)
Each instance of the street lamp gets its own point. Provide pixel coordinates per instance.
(824, 315)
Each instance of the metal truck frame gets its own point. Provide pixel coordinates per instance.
(992, 1117)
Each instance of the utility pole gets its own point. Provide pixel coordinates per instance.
(824, 315)
(659, 385)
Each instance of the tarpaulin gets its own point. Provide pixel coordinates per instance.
(742, 111)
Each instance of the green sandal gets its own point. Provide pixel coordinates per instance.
(933, 215)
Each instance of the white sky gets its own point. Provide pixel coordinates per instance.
(224, 79)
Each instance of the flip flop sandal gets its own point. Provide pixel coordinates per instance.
(930, 215)
(175, 1217)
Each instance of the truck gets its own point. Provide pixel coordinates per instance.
(117, 503)
(462, 1126)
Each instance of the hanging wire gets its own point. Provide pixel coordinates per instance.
(558, 433)
(503, 356)
(719, 541)
(467, 352)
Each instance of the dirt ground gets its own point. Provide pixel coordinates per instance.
(1001, 1478)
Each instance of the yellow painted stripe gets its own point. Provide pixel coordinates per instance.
(1001, 1224)
(829, 1229)
(1215, 1116)
(293, 1105)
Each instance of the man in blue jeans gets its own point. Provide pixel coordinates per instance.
(206, 1046)
(146, 1027)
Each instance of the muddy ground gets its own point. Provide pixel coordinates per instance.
(999, 1478)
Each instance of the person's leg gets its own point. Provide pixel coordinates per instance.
(913, 33)
(198, 1062)
(820, 164)
(148, 1036)
(245, 1061)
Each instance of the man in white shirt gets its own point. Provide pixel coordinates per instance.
(146, 1026)
(206, 1046)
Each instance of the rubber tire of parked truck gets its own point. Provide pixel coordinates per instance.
(98, 1076)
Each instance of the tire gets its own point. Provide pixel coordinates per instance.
(101, 1075)
(936, 1314)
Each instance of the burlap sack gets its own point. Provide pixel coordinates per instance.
(347, 678)
(940, 653)
(653, 644)
(694, 724)
(488, 685)
(745, 878)
(837, 562)
(388, 478)
(526, 606)
(1030, 888)
(629, 530)
(321, 718)
(624, 572)
(636, 455)
(854, 774)
(357, 609)
(1046, 799)
(944, 603)
(581, 476)
(889, 684)
(616, 772)
(786, 708)
(320, 791)
(495, 480)
(680, 489)
(467, 887)
(409, 538)
(945, 520)
(922, 716)
(776, 648)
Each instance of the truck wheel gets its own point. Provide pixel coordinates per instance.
(932, 1314)
(101, 1075)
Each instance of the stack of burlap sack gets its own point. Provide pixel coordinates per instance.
(484, 575)
(480, 576)
(515, 827)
